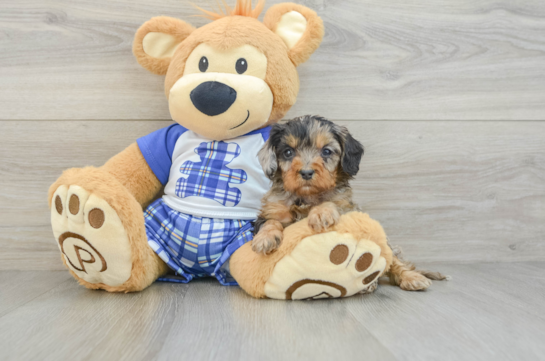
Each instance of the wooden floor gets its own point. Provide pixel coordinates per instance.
(486, 312)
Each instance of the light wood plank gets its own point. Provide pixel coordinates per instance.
(19, 287)
(445, 59)
(467, 318)
(202, 319)
(444, 191)
(220, 322)
(476, 316)
(71, 321)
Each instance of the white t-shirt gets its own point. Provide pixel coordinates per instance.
(208, 178)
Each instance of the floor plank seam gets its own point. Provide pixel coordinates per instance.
(369, 331)
(37, 296)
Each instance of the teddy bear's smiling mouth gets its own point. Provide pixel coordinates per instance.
(245, 120)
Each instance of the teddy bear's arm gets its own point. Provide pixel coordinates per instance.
(131, 169)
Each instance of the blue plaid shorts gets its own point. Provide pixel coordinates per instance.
(194, 246)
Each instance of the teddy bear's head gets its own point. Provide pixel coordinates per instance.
(235, 74)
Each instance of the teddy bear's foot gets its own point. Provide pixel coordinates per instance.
(327, 265)
(91, 237)
(103, 247)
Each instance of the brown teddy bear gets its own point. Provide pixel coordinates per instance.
(226, 83)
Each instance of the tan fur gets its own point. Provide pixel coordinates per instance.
(292, 141)
(278, 211)
(131, 169)
(312, 36)
(322, 139)
(291, 177)
(161, 24)
(275, 202)
(146, 265)
(253, 270)
(323, 181)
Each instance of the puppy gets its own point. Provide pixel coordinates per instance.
(310, 161)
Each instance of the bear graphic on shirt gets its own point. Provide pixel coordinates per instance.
(210, 178)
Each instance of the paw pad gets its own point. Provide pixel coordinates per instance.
(364, 262)
(370, 278)
(73, 206)
(58, 204)
(339, 254)
(96, 218)
(327, 265)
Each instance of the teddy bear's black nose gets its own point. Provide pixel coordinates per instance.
(213, 98)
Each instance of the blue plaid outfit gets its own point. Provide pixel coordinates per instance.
(207, 210)
(194, 246)
(210, 178)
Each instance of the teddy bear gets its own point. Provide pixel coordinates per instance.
(226, 83)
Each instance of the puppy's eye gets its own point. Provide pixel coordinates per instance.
(241, 66)
(326, 152)
(203, 64)
(288, 153)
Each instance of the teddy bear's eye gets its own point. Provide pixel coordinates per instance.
(241, 65)
(203, 64)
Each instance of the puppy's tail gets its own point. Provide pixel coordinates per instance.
(403, 266)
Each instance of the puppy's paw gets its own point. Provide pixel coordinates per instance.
(322, 217)
(413, 281)
(267, 240)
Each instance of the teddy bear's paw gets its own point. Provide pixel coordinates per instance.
(327, 265)
(90, 236)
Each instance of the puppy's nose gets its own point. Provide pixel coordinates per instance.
(307, 173)
(212, 97)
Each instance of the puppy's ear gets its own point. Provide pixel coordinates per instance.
(156, 40)
(352, 153)
(267, 159)
(299, 27)
(267, 154)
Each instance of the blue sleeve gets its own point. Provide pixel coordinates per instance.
(263, 131)
(266, 132)
(157, 149)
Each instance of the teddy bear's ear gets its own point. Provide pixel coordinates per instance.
(156, 40)
(300, 28)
